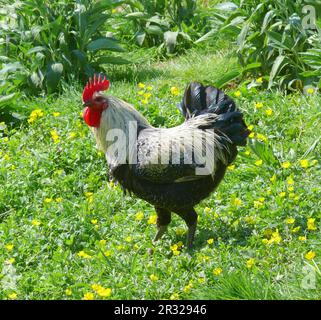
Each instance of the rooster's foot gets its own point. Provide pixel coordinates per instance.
(190, 235)
(160, 232)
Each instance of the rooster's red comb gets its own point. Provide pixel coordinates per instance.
(99, 84)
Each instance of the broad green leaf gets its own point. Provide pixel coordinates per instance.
(275, 69)
(206, 36)
(267, 18)
(140, 37)
(112, 60)
(5, 100)
(155, 30)
(221, 82)
(263, 151)
(136, 15)
(226, 6)
(105, 44)
(53, 76)
(170, 39)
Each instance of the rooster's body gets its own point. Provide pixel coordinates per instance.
(167, 170)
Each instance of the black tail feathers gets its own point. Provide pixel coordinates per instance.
(199, 99)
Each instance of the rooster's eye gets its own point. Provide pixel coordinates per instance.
(99, 99)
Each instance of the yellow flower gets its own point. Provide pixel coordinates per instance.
(147, 95)
(310, 224)
(94, 221)
(290, 181)
(259, 80)
(139, 216)
(250, 219)
(261, 137)
(252, 135)
(101, 291)
(9, 246)
(36, 223)
(152, 219)
(174, 91)
(48, 200)
(12, 296)
(144, 101)
(6, 157)
(150, 88)
(210, 241)
(72, 135)
(56, 114)
(257, 204)
(89, 197)
(153, 277)
(310, 255)
(304, 163)
(286, 165)
(114, 10)
(102, 242)
(35, 114)
(54, 136)
(250, 127)
(282, 194)
(289, 220)
(107, 253)
(310, 90)
(302, 238)
(68, 292)
(176, 252)
(258, 105)
(259, 162)
(269, 112)
(88, 296)
(58, 200)
(273, 178)
(180, 231)
(237, 94)
(250, 263)
(296, 229)
(314, 162)
(207, 210)
(276, 237)
(104, 292)
(141, 85)
(237, 202)
(128, 239)
(217, 271)
(83, 254)
(290, 188)
(140, 92)
(188, 288)
(201, 280)
(231, 167)
(174, 296)
(11, 260)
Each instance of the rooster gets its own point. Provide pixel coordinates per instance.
(167, 166)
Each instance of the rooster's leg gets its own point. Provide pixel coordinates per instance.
(190, 217)
(163, 220)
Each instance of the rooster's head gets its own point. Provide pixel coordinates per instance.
(94, 100)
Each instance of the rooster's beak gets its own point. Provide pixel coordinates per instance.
(87, 103)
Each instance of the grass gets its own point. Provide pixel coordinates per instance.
(64, 227)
